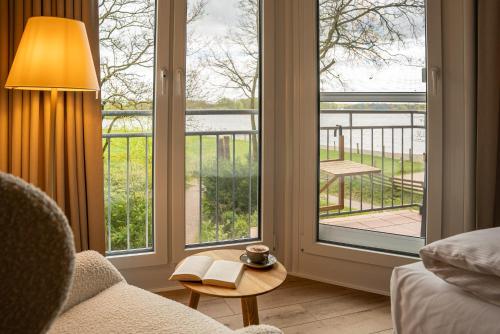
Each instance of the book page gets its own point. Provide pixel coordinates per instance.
(224, 271)
(193, 268)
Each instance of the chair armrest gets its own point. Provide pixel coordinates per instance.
(93, 274)
(260, 329)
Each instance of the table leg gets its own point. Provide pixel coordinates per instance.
(250, 311)
(194, 299)
(244, 312)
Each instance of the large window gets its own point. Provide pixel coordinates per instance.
(211, 156)
(372, 129)
(127, 45)
(222, 121)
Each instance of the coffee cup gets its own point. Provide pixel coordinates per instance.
(257, 253)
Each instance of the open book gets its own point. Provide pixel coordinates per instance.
(209, 271)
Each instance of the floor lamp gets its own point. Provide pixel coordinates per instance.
(53, 55)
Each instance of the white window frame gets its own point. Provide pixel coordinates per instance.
(306, 110)
(159, 255)
(177, 137)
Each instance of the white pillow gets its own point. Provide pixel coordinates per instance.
(470, 261)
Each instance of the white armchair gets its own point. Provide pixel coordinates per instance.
(46, 287)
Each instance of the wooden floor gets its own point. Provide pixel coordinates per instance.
(305, 306)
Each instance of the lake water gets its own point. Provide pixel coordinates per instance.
(402, 140)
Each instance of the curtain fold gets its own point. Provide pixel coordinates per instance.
(25, 125)
(488, 113)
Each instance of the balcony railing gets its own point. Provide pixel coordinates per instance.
(389, 144)
(384, 137)
(129, 228)
(391, 139)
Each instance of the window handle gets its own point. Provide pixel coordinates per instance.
(434, 80)
(180, 78)
(163, 74)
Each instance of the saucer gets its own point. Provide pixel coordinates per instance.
(271, 260)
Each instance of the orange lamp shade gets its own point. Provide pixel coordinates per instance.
(53, 53)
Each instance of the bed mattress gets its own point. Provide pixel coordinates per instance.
(423, 303)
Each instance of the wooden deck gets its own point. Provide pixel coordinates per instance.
(403, 222)
(305, 306)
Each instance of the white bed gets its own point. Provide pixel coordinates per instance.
(422, 303)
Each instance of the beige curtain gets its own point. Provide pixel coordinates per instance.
(24, 125)
(488, 114)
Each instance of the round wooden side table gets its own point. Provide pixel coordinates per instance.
(253, 282)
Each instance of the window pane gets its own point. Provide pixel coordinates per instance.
(222, 121)
(127, 39)
(372, 133)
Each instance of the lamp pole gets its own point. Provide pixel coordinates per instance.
(50, 173)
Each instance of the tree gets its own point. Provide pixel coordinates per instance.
(240, 68)
(127, 48)
(354, 30)
(126, 35)
(364, 31)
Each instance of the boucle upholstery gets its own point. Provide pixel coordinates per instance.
(127, 309)
(93, 274)
(122, 308)
(260, 329)
(37, 257)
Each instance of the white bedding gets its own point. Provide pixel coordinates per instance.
(422, 303)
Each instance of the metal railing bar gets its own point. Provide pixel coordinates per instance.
(200, 207)
(392, 173)
(411, 159)
(128, 192)
(372, 97)
(233, 195)
(216, 112)
(191, 133)
(328, 158)
(147, 193)
(361, 178)
(371, 175)
(367, 127)
(217, 189)
(249, 185)
(328, 144)
(109, 193)
(221, 133)
(189, 112)
(350, 158)
(127, 135)
(383, 162)
(371, 111)
(402, 164)
(206, 112)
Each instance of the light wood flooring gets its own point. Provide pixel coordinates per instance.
(305, 306)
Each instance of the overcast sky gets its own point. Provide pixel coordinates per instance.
(222, 14)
